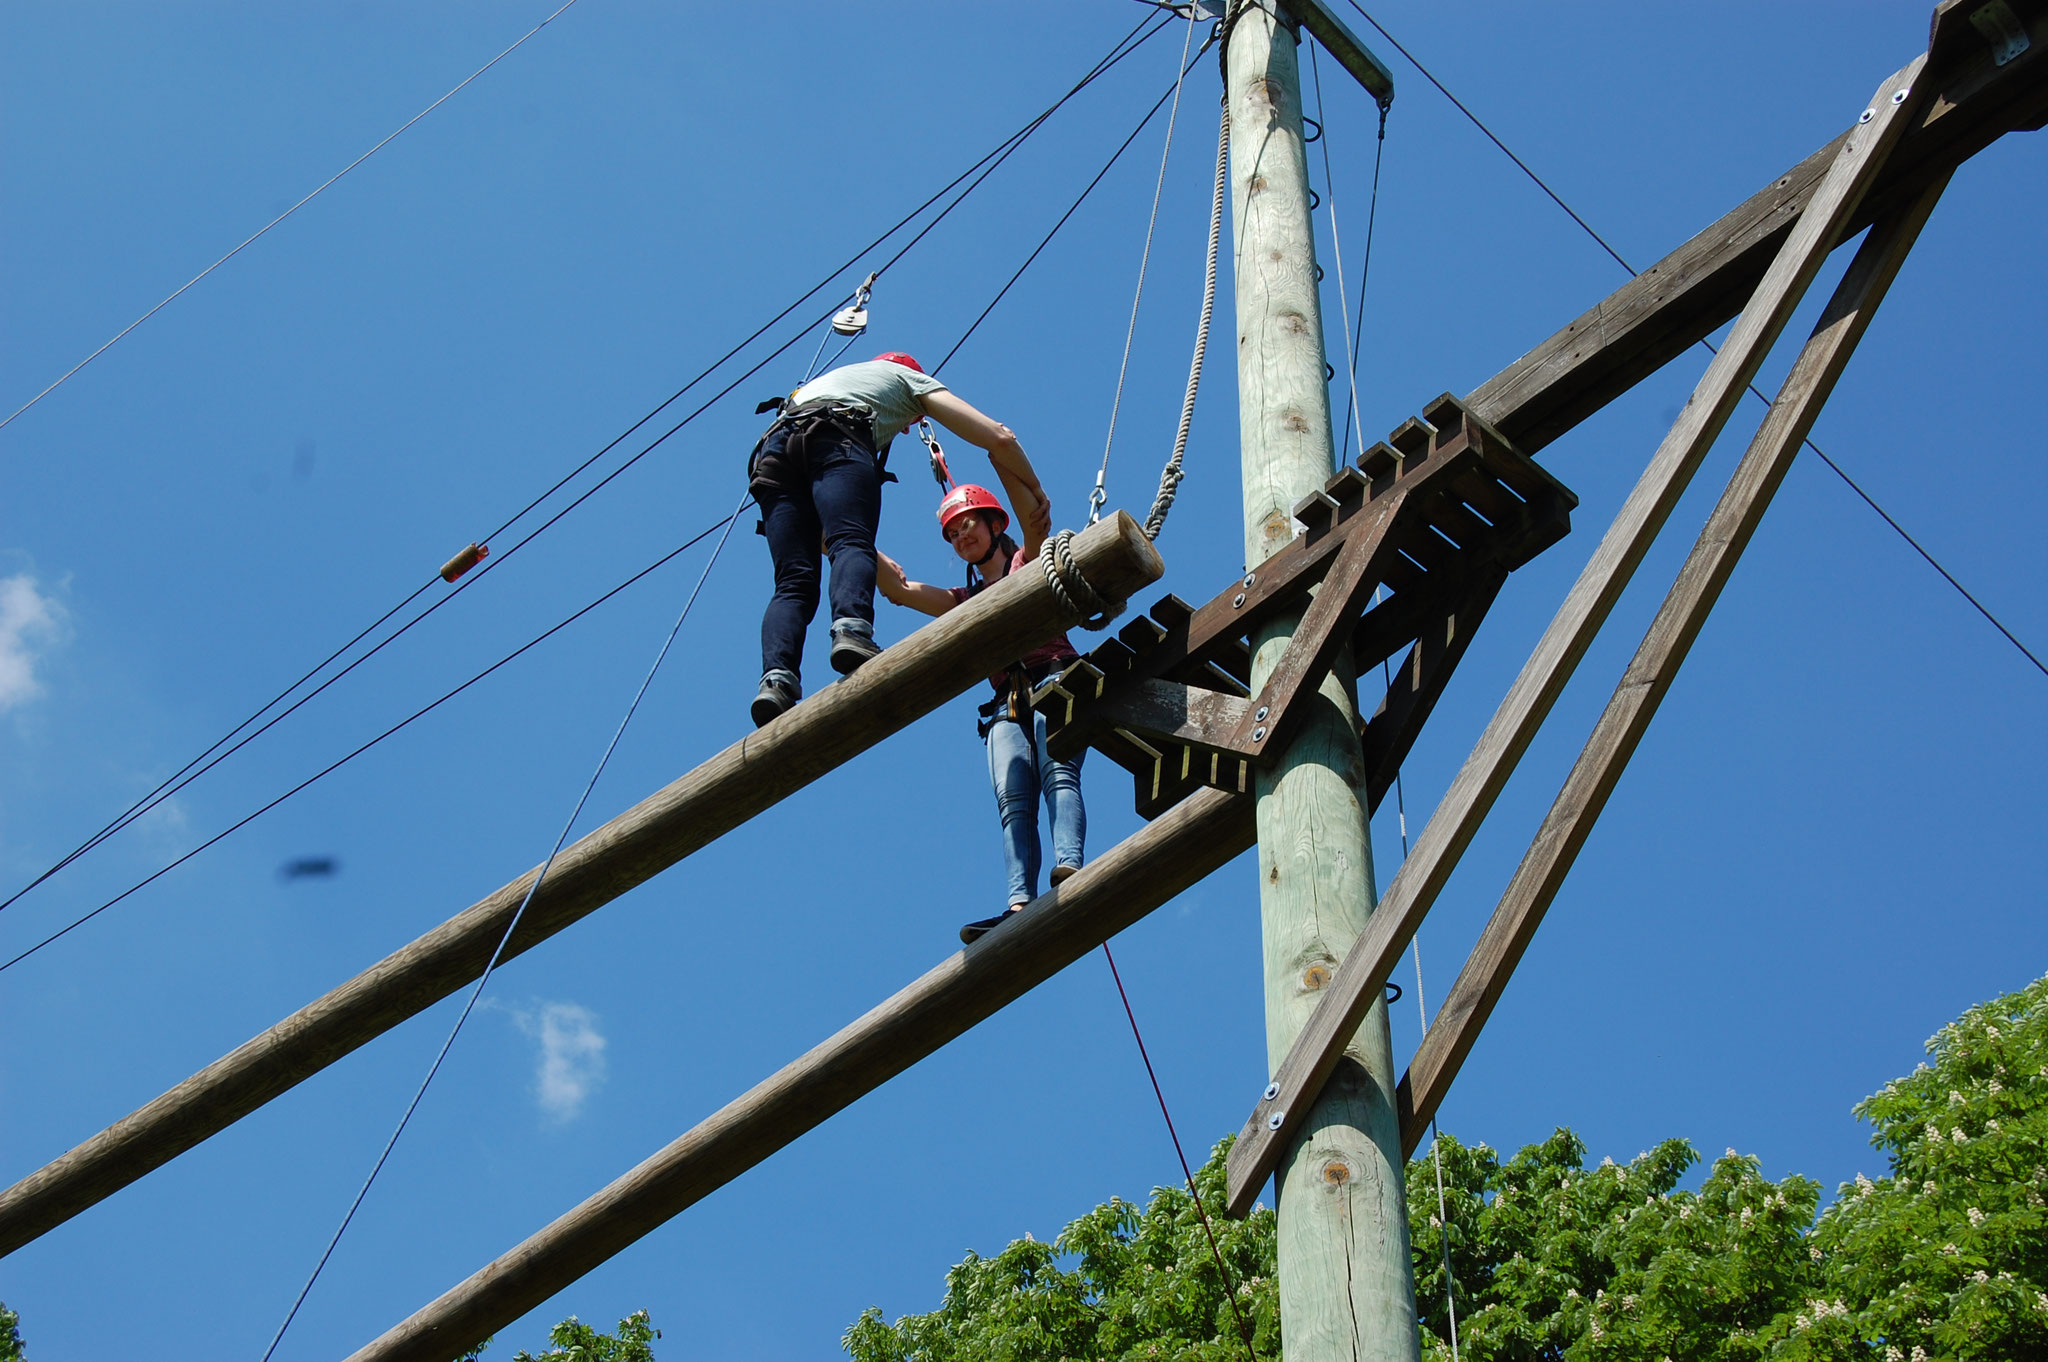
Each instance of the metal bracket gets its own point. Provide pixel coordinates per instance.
(2002, 29)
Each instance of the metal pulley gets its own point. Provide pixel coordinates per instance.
(852, 319)
(940, 473)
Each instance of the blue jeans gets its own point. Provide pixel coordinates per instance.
(1021, 774)
(842, 506)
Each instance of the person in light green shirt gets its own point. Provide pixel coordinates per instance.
(817, 474)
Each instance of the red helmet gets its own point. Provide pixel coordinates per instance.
(967, 497)
(898, 357)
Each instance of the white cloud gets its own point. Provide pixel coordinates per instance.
(29, 621)
(571, 1063)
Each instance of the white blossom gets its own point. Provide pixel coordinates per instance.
(1976, 1216)
(1864, 1186)
(1955, 1099)
(1980, 1276)
(1956, 1136)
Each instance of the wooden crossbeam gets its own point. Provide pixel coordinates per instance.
(1687, 295)
(1109, 894)
(1551, 854)
(1361, 976)
(906, 682)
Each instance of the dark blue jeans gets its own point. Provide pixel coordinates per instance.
(841, 507)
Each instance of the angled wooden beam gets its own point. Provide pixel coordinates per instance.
(1196, 837)
(908, 681)
(1362, 974)
(1688, 294)
(1649, 675)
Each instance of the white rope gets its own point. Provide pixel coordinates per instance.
(1170, 476)
(1100, 496)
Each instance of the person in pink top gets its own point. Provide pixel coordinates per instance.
(975, 524)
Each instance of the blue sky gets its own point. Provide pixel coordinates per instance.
(1820, 855)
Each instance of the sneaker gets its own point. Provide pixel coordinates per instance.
(1062, 873)
(849, 650)
(772, 699)
(975, 931)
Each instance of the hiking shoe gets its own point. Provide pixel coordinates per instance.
(849, 650)
(975, 931)
(772, 699)
(1062, 873)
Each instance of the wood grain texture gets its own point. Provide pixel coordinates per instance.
(1684, 297)
(941, 660)
(1056, 929)
(1346, 1282)
(1362, 976)
(1642, 687)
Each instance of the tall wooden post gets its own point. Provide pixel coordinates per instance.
(1347, 1288)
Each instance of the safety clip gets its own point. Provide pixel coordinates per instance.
(852, 319)
(940, 473)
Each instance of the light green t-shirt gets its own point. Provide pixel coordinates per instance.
(882, 388)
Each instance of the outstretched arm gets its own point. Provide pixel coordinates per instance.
(1006, 453)
(899, 589)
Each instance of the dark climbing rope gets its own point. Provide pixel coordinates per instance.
(332, 767)
(1244, 1329)
(1754, 391)
(511, 926)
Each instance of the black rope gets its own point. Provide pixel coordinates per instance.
(406, 722)
(1754, 391)
(186, 774)
(1229, 1293)
(504, 940)
(1071, 210)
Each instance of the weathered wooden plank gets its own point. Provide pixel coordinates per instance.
(1685, 296)
(1649, 675)
(1056, 929)
(1362, 975)
(1419, 684)
(907, 681)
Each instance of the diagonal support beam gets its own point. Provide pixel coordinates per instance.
(1196, 837)
(1470, 1002)
(1362, 975)
(1419, 684)
(902, 685)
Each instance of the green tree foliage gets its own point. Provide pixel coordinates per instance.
(1553, 1260)
(1138, 1286)
(1947, 1257)
(10, 1336)
(574, 1341)
(1943, 1260)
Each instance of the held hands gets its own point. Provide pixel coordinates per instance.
(889, 577)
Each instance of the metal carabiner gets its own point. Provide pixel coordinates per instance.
(940, 473)
(1098, 498)
(852, 319)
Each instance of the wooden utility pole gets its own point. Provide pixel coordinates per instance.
(1347, 1288)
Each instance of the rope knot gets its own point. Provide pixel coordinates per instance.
(1074, 593)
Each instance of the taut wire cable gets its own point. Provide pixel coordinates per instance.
(1244, 1328)
(1098, 498)
(1754, 391)
(282, 216)
(186, 774)
(511, 926)
(1400, 795)
(419, 713)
